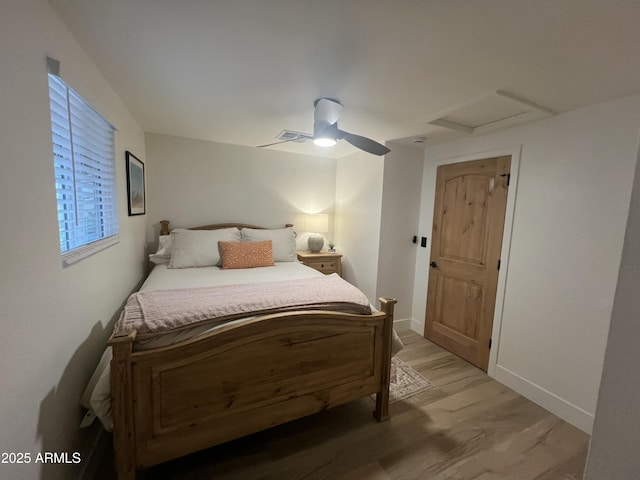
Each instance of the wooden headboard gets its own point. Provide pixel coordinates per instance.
(164, 226)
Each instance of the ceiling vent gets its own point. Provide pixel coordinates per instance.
(291, 136)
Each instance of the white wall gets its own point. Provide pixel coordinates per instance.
(54, 320)
(616, 432)
(570, 213)
(195, 182)
(359, 179)
(402, 183)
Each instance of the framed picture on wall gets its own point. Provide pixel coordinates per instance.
(135, 185)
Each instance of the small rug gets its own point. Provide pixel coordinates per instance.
(405, 382)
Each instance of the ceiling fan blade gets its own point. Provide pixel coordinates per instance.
(306, 137)
(327, 111)
(364, 143)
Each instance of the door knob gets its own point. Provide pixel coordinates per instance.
(433, 265)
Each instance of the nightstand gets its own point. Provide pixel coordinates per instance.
(325, 262)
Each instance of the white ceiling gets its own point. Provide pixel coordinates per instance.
(240, 71)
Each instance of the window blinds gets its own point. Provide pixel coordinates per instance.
(84, 162)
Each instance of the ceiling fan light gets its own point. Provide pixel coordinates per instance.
(324, 142)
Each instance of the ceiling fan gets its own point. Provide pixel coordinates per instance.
(326, 132)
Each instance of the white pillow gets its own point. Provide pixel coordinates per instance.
(159, 260)
(199, 248)
(283, 241)
(164, 246)
(163, 254)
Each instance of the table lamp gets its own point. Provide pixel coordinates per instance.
(317, 224)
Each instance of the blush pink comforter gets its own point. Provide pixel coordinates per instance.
(156, 312)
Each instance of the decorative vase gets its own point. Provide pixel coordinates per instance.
(315, 242)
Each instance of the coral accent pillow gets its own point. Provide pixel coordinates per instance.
(246, 254)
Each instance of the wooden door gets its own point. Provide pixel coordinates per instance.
(468, 222)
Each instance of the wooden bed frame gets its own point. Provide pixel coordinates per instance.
(240, 379)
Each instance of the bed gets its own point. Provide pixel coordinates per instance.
(245, 374)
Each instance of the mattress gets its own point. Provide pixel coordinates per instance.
(162, 278)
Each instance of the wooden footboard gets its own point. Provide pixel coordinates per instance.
(240, 379)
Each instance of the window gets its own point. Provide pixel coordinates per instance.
(84, 162)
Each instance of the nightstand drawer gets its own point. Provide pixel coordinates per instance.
(325, 267)
(325, 262)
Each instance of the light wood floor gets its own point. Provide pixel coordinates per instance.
(468, 427)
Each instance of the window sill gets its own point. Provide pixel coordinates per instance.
(81, 253)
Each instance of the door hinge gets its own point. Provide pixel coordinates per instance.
(489, 344)
(508, 175)
(499, 264)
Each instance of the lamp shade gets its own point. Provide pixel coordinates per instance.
(318, 223)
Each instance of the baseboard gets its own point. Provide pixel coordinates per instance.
(417, 327)
(402, 324)
(558, 406)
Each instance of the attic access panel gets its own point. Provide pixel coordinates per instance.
(492, 112)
